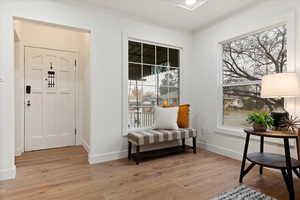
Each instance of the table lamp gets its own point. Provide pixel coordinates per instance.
(280, 85)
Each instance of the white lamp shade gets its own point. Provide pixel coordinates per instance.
(280, 85)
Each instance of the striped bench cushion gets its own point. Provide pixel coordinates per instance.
(155, 136)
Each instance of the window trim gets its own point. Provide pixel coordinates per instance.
(126, 37)
(290, 104)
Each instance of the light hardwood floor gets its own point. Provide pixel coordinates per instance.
(65, 174)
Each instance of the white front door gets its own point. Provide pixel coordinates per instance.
(49, 98)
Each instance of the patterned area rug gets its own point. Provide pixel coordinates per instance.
(243, 193)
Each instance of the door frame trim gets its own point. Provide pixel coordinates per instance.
(23, 46)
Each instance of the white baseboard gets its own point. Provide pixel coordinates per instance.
(19, 152)
(100, 158)
(228, 153)
(220, 150)
(85, 145)
(6, 174)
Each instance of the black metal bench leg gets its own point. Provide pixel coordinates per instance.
(183, 144)
(194, 145)
(242, 174)
(138, 155)
(129, 150)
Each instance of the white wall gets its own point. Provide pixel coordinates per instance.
(106, 141)
(52, 37)
(19, 92)
(207, 67)
(84, 92)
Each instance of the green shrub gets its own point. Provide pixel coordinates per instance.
(262, 118)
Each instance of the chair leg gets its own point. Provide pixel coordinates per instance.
(194, 145)
(137, 154)
(129, 150)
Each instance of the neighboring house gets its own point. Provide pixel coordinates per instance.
(234, 103)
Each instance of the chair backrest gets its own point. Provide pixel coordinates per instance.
(183, 118)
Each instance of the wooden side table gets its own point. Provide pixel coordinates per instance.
(285, 163)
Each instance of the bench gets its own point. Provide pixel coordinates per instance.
(157, 136)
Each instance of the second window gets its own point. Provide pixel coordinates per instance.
(153, 79)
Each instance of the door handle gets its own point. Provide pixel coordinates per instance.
(28, 103)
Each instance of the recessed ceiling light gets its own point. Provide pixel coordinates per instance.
(190, 2)
(189, 5)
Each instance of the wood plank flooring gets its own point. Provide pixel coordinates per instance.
(64, 174)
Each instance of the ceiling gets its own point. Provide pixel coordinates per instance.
(166, 13)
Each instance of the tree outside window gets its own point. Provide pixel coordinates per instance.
(245, 61)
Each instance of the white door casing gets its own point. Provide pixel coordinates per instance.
(50, 108)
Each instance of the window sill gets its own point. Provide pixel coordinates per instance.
(233, 131)
(238, 132)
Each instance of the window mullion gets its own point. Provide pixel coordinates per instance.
(156, 75)
(242, 84)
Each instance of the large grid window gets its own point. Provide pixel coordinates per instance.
(153, 79)
(245, 61)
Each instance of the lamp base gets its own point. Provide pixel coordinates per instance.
(278, 118)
